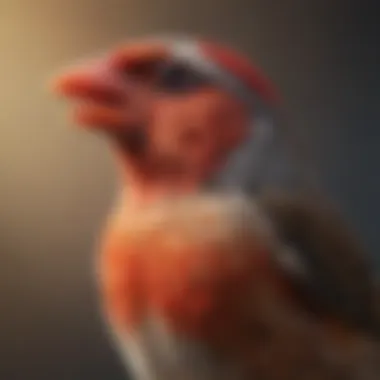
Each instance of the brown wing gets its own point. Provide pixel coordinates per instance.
(338, 279)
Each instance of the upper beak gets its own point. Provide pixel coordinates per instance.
(100, 79)
(101, 92)
(94, 81)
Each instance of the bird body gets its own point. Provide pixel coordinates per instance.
(194, 288)
(200, 283)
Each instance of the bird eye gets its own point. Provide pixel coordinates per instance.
(142, 69)
(176, 77)
(145, 71)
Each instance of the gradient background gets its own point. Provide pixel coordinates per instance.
(56, 183)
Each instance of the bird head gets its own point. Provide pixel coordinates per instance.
(175, 108)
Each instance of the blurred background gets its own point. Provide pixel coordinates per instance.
(56, 183)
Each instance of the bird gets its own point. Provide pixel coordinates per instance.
(200, 275)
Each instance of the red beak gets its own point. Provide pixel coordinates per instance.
(100, 93)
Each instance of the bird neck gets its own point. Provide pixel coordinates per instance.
(141, 194)
(146, 181)
(140, 188)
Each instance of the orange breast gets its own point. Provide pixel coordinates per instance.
(202, 265)
(205, 295)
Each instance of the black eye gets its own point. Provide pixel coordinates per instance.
(145, 71)
(176, 77)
